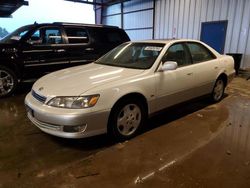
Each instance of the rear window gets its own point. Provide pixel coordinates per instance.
(76, 35)
(115, 37)
(199, 52)
(106, 35)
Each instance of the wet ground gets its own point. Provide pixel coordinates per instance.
(196, 144)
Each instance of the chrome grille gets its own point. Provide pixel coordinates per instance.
(38, 97)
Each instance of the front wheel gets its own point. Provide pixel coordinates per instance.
(8, 81)
(126, 119)
(218, 90)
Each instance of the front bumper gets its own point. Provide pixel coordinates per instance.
(61, 122)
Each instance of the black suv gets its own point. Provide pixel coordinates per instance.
(34, 50)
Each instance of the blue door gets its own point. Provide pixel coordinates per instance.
(214, 34)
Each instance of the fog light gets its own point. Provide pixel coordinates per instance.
(74, 129)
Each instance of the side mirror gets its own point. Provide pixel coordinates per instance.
(169, 65)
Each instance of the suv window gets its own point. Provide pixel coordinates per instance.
(46, 36)
(114, 37)
(199, 52)
(16, 35)
(76, 35)
(110, 35)
(177, 53)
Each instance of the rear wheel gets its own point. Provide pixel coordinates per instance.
(126, 119)
(8, 81)
(218, 90)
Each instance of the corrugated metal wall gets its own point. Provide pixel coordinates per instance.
(112, 15)
(183, 18)
(135, 16)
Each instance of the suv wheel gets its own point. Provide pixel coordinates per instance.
(8, 81)
(126, 119)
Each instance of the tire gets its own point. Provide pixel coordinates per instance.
(126, 119)
(218, 90)
(8, 81)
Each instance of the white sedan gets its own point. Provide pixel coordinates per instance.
(116, 93)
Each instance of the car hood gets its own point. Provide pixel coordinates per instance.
(77, 80)
(7, 49)
(8, 45)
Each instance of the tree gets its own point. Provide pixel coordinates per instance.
(3, 32)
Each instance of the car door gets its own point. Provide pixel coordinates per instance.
(44, 52)
(80, 49)
(205, 68)
(174, 86)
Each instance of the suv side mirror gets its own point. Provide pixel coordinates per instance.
(169, 65)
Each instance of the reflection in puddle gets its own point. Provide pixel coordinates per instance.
(236, 136)
(10, 110)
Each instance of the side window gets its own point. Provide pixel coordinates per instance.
(53, 36)
(35, 38)
(177, 53)
(114, 37)
(199, 52)
(104, 35)
(46, 36)
(76, 35)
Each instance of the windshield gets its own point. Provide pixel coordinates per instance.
(16, 35)
(132, 55)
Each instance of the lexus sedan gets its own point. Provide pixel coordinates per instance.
(116, 93)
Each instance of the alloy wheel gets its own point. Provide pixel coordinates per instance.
(6, 82)
(129, 119)
(218, 90)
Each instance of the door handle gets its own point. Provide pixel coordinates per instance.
(189, 74)
(89, 49)
(60, 50)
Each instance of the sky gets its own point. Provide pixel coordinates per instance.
(47, 11)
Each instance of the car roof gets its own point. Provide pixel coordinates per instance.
(166, 41)
(74, 24)
(171, 41)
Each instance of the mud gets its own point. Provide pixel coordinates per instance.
(196, 144)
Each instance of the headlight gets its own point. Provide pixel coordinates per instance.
(74, 102)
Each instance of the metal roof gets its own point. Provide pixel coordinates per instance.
(99, 2)
(7, 7)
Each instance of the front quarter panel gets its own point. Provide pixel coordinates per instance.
(110, 93)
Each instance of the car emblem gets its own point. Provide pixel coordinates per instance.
(40, 89)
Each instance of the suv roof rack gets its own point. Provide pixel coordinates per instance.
(82, 24)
